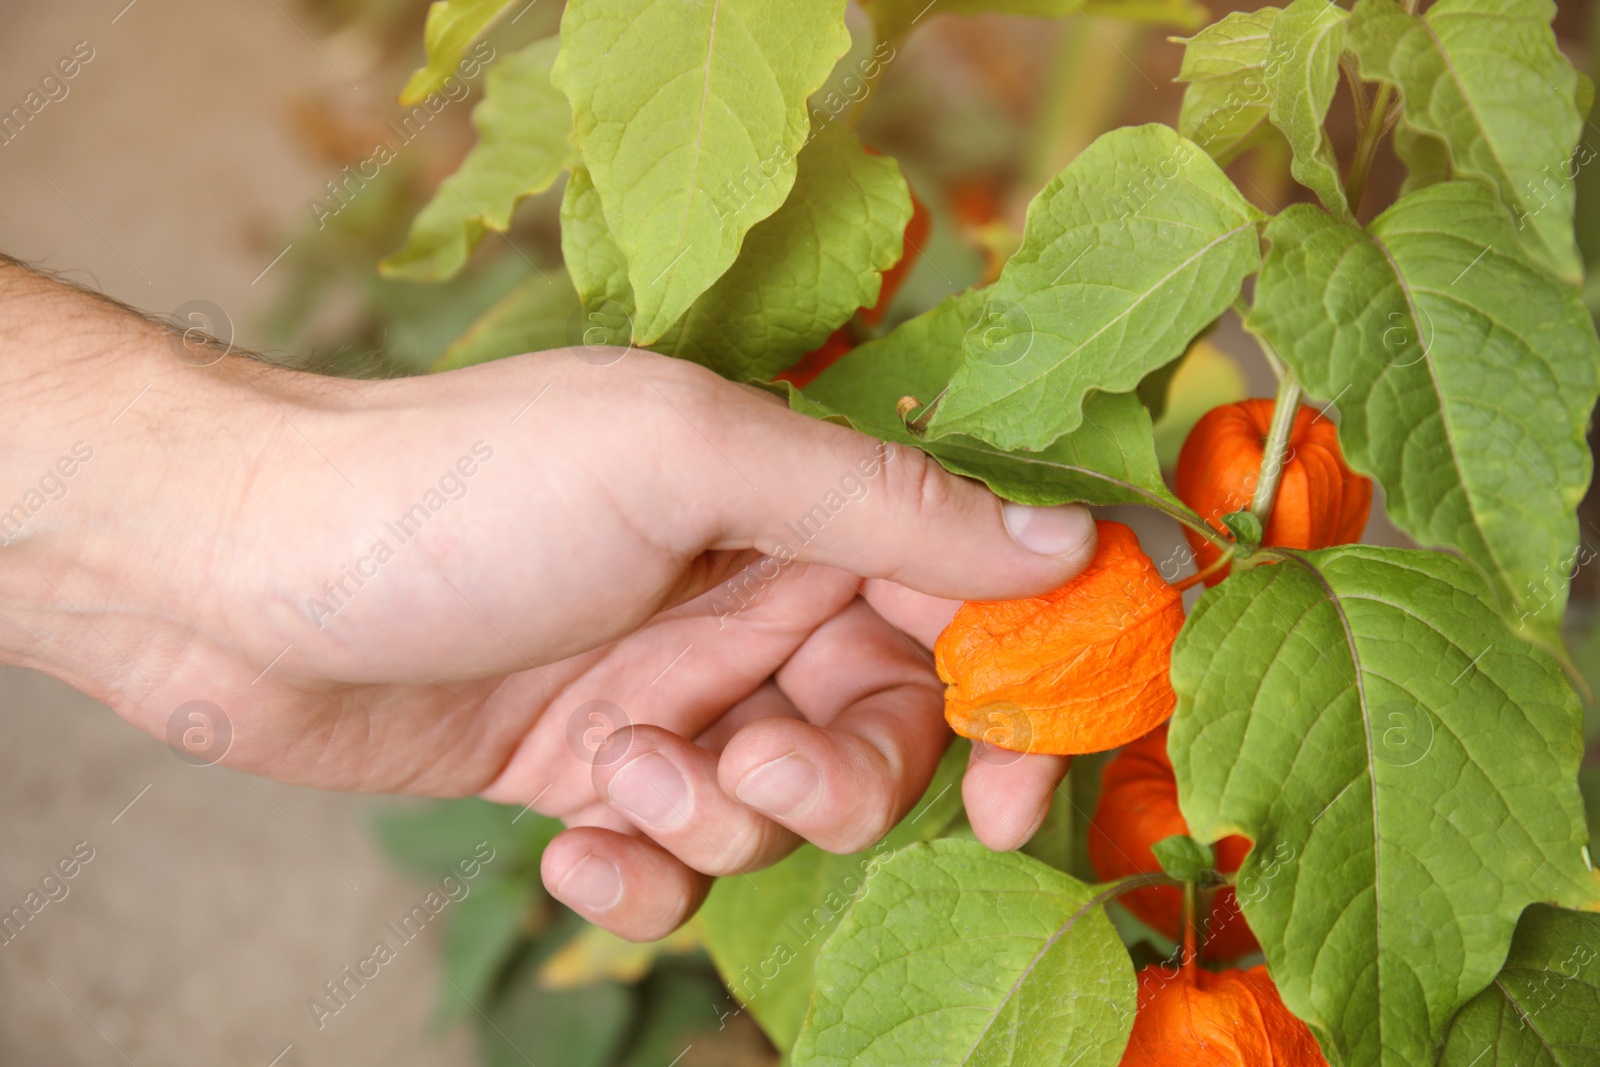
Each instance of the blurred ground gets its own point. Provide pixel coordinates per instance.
(215, 906)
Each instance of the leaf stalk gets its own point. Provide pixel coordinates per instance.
(1274, 456)
(1372, 131)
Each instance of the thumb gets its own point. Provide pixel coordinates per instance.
(821, 493)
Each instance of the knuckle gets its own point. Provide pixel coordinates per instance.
(916, 485)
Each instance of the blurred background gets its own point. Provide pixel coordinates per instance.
(192, 158)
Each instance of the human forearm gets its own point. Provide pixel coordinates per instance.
(98, 413)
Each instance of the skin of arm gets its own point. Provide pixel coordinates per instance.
(420, 585)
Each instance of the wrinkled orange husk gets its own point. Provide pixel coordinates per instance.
(1082, 669)
(1139, 806)
(1206, 1019)
(1320, 500)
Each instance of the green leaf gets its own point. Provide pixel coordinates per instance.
(1225, 105)
(893, 19)
(1464, 376)
(523, 129)
(1184, 858)
(1406, 767)
(958, 955)
(674, 1018)
(571, 1027)
(801, 273)
(481, 932)
(452, 25)
(431, 840)
(805, 270)
(1140, 205)
(1307, 40)
(1486, 78)
(763, 930)
(1245, 526)
(1109, 459)
(1543, 1009)
(536, 315)
(597, 266)
(689, 118)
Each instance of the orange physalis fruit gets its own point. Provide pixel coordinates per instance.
(1138, 807)
(1320, 501)
(1082, 669)
(1197, 1018)
(805, 370)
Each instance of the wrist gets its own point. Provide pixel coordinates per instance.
(108, 482)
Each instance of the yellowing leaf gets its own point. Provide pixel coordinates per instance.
(893, 19)
(597, 955)
(538, 314)
(523, 146)
(451, 27)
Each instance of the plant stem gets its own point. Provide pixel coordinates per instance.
(1275, 453)
(1200, 576)
(1361, 164)
(1191, 927)
(1132, 882)
(1197, 524)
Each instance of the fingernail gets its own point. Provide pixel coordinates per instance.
(652, 791)
(1059, 531)
(593, 885)
(787, 787)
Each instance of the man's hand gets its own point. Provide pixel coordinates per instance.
(466, 583)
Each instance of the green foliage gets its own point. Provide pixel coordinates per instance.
(1404, 762)
(1109, 460)
(764, 929)
(1543, 1009)
(484, 929)
(523, 146)
(536, 315)
(957, 955)
(801, 273)
(893, 19)
(430, 840)
(1302, 74)
(689, 119)
(1442, 340)
(451, 28)
(1485, 81)
(584, 1027)
(1184, 858)
(1406, 768)
(1141, 205)
(1225, 107)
